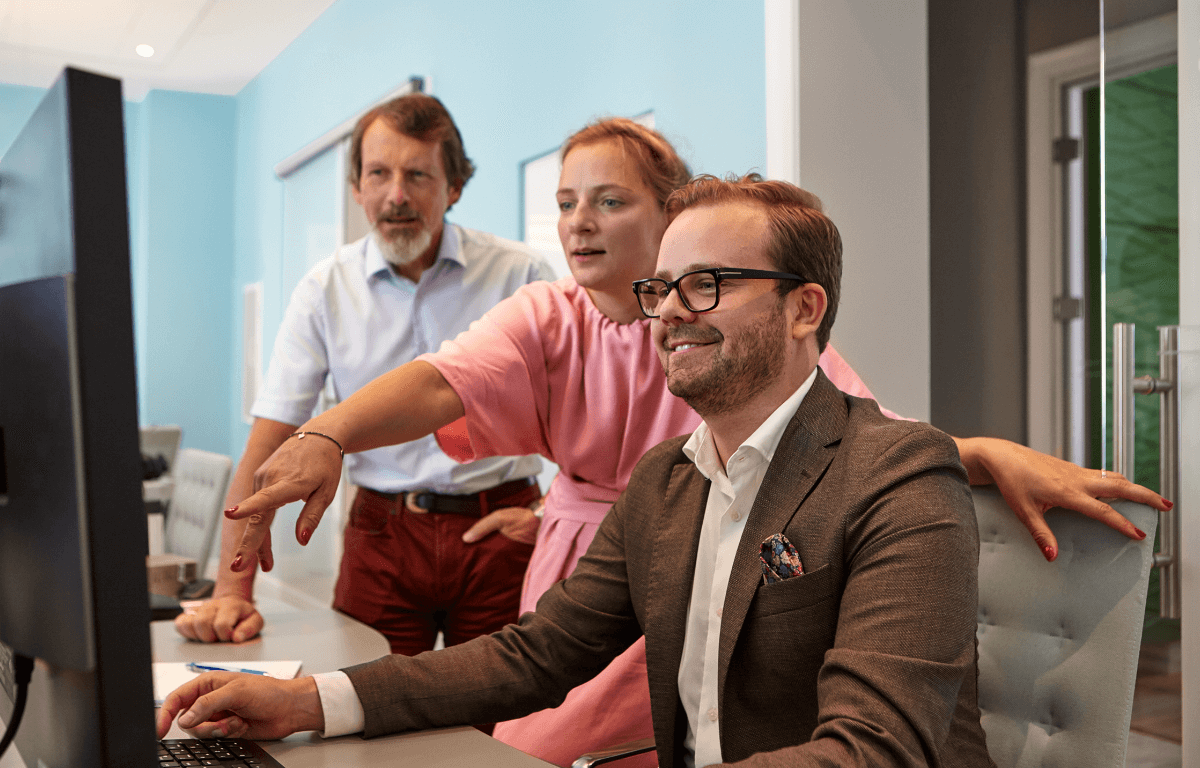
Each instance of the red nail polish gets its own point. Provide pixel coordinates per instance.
(236, 564)
(1049, 552)
(1140, 533)
(304, 535)
(231, 510)
(1168, 504)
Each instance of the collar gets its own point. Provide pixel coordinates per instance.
(701, 449)
(376, 266)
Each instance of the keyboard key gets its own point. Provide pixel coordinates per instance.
(213, 753)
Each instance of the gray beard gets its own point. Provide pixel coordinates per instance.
(403, 250)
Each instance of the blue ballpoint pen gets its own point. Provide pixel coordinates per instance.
(194, 667)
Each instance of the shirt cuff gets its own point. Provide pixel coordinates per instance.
(343, 711)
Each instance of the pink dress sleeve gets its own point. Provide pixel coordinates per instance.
(845, 379)
(499, 370)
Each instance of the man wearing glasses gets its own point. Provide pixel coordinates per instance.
(803, 568)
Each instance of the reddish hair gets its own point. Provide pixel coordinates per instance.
(801, 239)
(662, 169)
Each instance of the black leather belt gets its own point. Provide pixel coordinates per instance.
(471, 504)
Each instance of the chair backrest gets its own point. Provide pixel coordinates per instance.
(1059, 642)
(201, 481)
(161, 440)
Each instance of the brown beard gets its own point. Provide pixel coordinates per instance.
(731, 381)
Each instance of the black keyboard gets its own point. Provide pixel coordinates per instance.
(225, 753)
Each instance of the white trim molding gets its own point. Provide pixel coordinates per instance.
(292, 162)
(783, 89)
(1189, 314)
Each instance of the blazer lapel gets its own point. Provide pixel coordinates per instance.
(805, 450)
(672, 570)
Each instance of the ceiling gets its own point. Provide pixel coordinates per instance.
(205, 46)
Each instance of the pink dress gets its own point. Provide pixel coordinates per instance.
(545, 372)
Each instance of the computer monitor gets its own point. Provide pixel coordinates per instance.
(72, 526)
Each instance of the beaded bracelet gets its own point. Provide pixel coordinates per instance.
(300, 436)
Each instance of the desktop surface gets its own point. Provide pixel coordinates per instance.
(326, 641)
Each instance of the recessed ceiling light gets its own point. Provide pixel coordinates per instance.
(145, 51)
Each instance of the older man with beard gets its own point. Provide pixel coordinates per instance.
(414, 282)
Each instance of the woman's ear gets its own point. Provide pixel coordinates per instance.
(808, 303)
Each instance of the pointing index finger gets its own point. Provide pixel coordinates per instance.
(258, 511)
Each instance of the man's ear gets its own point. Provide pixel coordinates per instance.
(452, 197)
(808, 304)
(357, 194)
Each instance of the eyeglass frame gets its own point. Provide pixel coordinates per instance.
(719, 274)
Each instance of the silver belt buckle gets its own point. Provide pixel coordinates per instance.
(410, 502)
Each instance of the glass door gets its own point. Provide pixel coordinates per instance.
(1132, 276)
(1133, 264)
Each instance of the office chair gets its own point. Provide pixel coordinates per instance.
(1058, 642)
(159, 444)
(201, 481)
(160, 440)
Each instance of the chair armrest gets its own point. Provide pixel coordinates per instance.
(619, 752)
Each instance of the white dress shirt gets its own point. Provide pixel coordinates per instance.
(352, 319)
(731, 495)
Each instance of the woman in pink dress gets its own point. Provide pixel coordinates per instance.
(568, 370)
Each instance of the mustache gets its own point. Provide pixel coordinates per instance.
(693, 336)
(394, 211)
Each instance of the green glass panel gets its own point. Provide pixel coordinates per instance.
(1142, 260)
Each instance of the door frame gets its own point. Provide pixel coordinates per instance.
(1137, 47)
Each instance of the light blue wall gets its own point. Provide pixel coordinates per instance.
(518, 78)
(206, 207)
(180, 171)
(183, 236)
(17, 103)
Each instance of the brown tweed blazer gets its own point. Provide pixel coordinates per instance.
(867, 659)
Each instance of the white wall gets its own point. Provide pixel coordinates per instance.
(1189, 314)
(864, 149)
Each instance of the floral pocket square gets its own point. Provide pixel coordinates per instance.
(779, 559)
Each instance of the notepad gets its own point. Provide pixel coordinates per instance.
(169, 675)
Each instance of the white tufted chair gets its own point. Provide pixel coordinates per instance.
(1059, 642)
(201, 480)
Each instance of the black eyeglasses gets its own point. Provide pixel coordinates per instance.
(700, 290)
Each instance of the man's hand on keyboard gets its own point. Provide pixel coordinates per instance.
(233, 705)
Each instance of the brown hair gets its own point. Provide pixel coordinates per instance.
(662, 169)
(424, 118)
(800, 237)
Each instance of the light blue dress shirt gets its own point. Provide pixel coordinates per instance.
(352, 319)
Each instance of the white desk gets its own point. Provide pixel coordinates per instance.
(326, 640)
